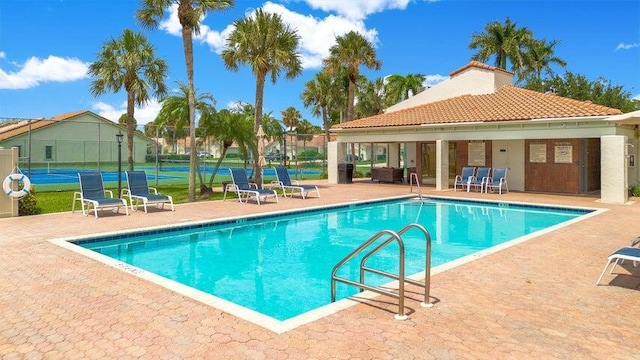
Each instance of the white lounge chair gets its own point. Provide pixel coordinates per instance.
(244, 189)
(626, 253)
(138, 191)
(93, 195)
(285, 182)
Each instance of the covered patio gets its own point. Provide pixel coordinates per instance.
(476, 118)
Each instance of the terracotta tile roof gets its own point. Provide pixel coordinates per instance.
(15, 129)
(509, 103)
(479, 65)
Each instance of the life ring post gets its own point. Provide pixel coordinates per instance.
(7, 185)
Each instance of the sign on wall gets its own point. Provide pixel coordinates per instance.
(537, 153)
(564, 154)
(477, 153)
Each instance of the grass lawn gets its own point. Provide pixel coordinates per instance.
(61, 201)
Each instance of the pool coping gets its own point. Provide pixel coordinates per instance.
(278, 326)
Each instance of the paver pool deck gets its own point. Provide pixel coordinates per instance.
(536, 299)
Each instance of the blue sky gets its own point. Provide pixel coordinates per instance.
(47, 45)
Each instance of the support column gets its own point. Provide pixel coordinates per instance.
(335, 155)
(393, 156)
(442, 165)
(613, 169)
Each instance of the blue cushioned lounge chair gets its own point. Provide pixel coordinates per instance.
(245, 189)
(138, 191)
(284, 181)
(465, 178)
(93, 195)
(622, 254)
(498, 181)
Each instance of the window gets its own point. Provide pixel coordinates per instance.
(48, 152)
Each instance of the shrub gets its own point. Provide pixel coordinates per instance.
(635, 190)
(27, 204)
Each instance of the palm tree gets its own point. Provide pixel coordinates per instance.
(371, 97)
(538, 58)
(351, 51)
(176, 110)
(506, 42)
(399, 88)
(268, 46)
(291, 117)
(129, 63)
(226, 126)
(320, 94)
(190, 13)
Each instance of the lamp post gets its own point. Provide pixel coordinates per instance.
(284, 156)
(119, 137)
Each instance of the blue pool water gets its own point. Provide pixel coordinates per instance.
(281, 265)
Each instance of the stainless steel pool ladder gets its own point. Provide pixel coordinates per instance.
(393, 236)
(417, 182)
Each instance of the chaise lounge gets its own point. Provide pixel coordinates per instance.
(93, 195)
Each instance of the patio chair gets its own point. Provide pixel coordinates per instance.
(245, 189)
(138, 191)
(93, 195)
(480, 179)
(464, 179)
(620, 255)
(497, 181)
(284, 181)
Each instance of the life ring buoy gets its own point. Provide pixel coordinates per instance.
(6, 186)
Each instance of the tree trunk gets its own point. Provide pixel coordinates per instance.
(188, 56)
(260, 78)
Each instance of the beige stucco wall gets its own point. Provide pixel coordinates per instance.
(473, 81)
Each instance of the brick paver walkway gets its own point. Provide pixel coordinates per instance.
(533, 300)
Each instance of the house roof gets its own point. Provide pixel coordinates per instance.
(509, 103)
(10, 130)
(477, 64)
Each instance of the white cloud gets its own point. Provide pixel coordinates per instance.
(35, 71)
(317, 35)
(357, 9)
(2, 55)
(172, 24)
(623, 46)
(431, 80)
(143, 115)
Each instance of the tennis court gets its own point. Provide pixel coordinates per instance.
(70, 176)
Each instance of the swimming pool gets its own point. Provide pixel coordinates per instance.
(280, 265)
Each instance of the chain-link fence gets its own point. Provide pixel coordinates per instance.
(53, 151)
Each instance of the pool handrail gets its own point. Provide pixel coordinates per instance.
(401, 270)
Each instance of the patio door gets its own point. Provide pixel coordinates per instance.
(510, 154)
(428, 162)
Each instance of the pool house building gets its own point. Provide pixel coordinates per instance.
(478, 118)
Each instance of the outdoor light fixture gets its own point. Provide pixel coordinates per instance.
(119, 137)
